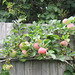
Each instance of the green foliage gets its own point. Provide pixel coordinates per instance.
(48, 36)
(35, 10)
(3, 72)
(22, 60)
(4, 16)
(69, 71)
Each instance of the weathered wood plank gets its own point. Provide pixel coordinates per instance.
(1, 66)
(5, 29)
(28, 68)
(61, 68)
(20, 69)
(9, 27)
(36, 69)
(45, 67)
(0, 30)
(53, 68)
(13, 70)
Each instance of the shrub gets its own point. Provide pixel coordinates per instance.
(35, 10)
(48, 38)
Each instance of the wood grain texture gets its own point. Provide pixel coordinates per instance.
(53, 68)
(1, 66)
(28, 68)
(36, 68)
(45, 67)
(20, 69)
(5, 29)
(13, 70)
(61, 68)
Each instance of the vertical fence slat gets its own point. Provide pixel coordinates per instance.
(0, 34)
(13, 70)
(36, 68)
(1, 66)
(53, 68)
(20, 68)
(28, 68)
(45, 67)
(5, 29)
(9, 27)
(61, 68)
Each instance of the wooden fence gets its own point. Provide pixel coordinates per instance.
(31, 67)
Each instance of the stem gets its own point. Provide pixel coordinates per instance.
(69, 64)
(46, 43)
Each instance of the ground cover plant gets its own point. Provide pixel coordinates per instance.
(41, 41)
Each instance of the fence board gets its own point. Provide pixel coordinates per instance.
(36, 68)
(53, 68)
(13, 70)
(28, 68)
(61, 68)
(5, 29)
(45, 68)
(1, 66)
(20, 69)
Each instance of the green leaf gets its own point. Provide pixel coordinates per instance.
(53, 56)
(73, 73)
(42, 0)
(72, 54)
(34, 53)
(69, 68)
(56, 36)
(22, 25)
(47, 40)
(67, 40)
(40, 57)
(63, 37)
(24, 1)
(67, 73)
(62, 58)
(4, 66)
(8, 61)
(3, 72)
(14, 31)
(4, 1)
(67, 36)
(22, 60)
(58, 4)
(51, 51)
